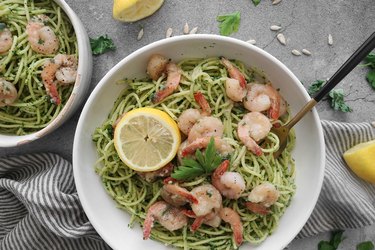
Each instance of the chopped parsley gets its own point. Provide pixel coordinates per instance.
(333, 244)
(370, 62)
(101, 45)
(229, 23)
(367, 245)
(256, 2)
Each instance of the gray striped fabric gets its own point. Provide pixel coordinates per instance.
(39, 206)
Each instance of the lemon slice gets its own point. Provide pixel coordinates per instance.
(134, 10)
(361, 159)
(146, 139)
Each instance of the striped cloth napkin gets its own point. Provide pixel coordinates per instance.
(40, 209)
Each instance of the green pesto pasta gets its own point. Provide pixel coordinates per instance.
(33, 109)
(134, 195)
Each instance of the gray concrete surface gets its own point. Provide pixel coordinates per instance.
(306, 24)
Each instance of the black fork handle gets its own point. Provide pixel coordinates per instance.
(347, 67)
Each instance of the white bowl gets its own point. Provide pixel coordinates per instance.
(112, 223)
(80, 89)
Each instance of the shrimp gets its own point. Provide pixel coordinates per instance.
(221, 146)
(206, 127)
(234, 90)
(262, 97)
(62, 69)
(230, 184)
(212, 219)
(8, 93)
(234, 72)
(262, 197)
(230, 216)
(156, 66)
(173, 80)
(163, 172)
(253, 127)
(41, 37)
(187, 119)
(176, 195)
(6, 40)
(209, 200)
(168, 216)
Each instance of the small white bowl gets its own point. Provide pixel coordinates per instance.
(80, 89)
(309, 154)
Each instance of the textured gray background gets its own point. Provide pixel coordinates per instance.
(306, 24)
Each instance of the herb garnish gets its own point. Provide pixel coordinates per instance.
(336, 96)
(101, 45)
(229, 23)
(256, 2)
(370, 62)
(367, 245)
(204, 163)
(335, 241)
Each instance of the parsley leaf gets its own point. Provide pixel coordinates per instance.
(205, 163)
(370, 60)
(101, 45)
(337, 100)
(371, 78)
(333, 244)
(315, 87)
(229, 23)
(256, 2)
(367, 245)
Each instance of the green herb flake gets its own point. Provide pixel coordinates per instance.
(315, 87)
(101, 45)
(333, 244)
(337, 100)
(256, 2)
(40, 41)
(371, 78)
(204, 163)
(367, 245)
(229, 23)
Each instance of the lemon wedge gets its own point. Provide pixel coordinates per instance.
(361, 159)
(146, 139)
(134, 10)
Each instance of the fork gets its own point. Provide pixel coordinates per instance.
(283, 131)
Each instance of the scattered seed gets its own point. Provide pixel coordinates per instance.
(251, 41)
(330, 39)
(169, 32)
(274, 2)
(275, 27)
(193, 30)
(296, 52)
(373, 124)
(306, 52)
(186, 28)
(140, 34)
(281, 38)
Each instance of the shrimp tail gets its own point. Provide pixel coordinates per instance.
(197, 223)
(230, 216)
(203, 103)
(274, 111)
(175, 189)
(48, 75)
(147, 226)
(257, 208)
(221, 169)
(234, 72)
(189, 213)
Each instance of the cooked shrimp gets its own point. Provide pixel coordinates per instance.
(156, 66)
(8, 93)
(221, 146)
(62, 69)
(187, 119)
(6, 40)
(173, 80)
(234, 72)
(41, 37)
(203, 103)
(262, 97)
(207, 126)
(168, 216)
(230, 184)
(163, 172)
(212, 219)
(234, 90)
(209, 200)
(230, 216)
(253, 127)
(176, 195)
(262, 197)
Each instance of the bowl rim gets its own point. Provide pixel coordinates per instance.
(71, 104)
(212, 37)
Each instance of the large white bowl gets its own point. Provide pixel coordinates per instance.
(112, 223)
(80, 89)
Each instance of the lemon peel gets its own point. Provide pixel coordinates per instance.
(134, 10)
